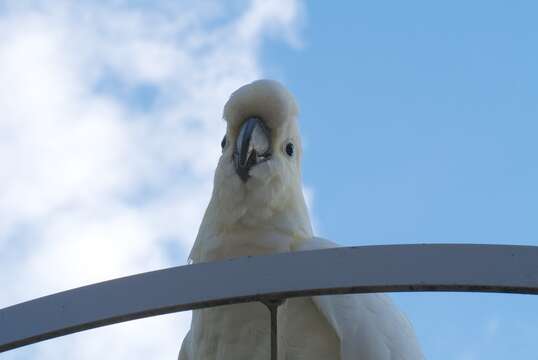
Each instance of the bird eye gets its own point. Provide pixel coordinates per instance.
(289, 149)
(223, 142)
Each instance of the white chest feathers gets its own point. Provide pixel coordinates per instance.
(245, 242)
(242, 332)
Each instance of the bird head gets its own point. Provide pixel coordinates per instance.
(262, 139)
(257, 182)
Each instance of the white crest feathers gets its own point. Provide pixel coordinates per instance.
(266, 99)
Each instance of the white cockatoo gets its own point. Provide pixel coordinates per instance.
(257, 207)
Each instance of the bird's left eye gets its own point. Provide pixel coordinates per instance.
(223, 142)
(290, 149)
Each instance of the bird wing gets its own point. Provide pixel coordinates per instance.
(369, 326)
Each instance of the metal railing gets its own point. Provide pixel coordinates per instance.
(270, 280)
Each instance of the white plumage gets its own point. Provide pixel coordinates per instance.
(257, 207)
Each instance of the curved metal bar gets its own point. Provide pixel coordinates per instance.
(365, 269)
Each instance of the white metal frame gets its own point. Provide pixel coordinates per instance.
(270, 280)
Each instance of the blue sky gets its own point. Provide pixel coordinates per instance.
(420, 122)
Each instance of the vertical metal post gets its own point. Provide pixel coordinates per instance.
(273, 305)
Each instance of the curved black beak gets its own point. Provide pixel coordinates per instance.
(253, 146)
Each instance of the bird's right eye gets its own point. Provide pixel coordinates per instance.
(289, 149)
(223, 142)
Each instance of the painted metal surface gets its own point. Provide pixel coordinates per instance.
(387, 268)
(272, 306)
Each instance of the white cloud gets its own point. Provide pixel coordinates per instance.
(109, 133)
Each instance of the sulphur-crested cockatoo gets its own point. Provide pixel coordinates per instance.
(257, 207)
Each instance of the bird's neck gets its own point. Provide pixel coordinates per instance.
(244, 231)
